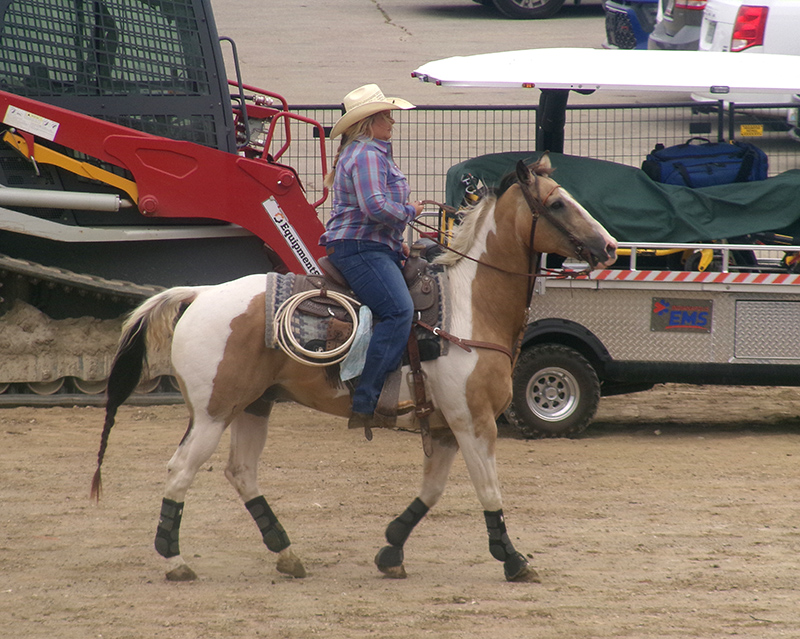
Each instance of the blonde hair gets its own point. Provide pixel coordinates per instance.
(360, 129)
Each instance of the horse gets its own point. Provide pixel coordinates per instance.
(230, 378)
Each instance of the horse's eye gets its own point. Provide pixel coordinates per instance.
(557, 205)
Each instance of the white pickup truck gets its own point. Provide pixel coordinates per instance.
(754, 26)
(751, 27)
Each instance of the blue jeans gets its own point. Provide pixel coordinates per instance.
(373, 271)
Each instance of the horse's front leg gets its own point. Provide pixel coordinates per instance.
(389, 559)
(479, 456)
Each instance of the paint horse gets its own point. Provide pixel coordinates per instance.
(230, 378)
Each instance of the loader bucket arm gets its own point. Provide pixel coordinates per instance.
(178, 179)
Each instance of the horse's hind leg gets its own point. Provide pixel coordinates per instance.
(199, 442)
(389, 559)
(248, 436)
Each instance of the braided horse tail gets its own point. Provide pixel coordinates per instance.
(153, 321)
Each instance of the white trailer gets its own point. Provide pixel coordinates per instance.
(622, 330)
(625, 329)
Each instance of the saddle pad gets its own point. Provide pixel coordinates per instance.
(305, 328)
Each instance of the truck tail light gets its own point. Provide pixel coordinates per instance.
(748, 30)
(694, 5)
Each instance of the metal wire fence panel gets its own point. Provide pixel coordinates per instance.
(626, 134)
(431, 139)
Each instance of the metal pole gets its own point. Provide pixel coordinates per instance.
(40, 198)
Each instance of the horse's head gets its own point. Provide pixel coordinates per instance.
(561, 224)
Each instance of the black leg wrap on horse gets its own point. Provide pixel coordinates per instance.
(398, 531)
(514, 563)
(499, 544)
(169, 528)
(274, 535)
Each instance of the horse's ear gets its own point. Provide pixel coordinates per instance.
(543, 165)
(544, 161)
(523, 173)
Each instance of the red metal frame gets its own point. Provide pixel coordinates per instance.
(180, 179)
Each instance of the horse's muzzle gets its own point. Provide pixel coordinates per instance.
(603, 256)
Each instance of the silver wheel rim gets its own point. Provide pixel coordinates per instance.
(553, 394)
(529, 4)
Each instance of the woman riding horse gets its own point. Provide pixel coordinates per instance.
(230, 378)
(364, 235)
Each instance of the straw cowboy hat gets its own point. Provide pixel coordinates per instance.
(364, 102)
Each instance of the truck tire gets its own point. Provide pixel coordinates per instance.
(528, 9)
(556, 392)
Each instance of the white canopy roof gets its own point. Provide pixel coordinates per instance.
(715, 73)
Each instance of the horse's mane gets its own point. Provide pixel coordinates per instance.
(464, 234)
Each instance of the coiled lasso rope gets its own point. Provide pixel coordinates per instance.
(288, 342)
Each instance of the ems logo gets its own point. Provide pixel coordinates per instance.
(681, 315)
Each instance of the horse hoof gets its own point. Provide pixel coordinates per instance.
(394, 572)
(517, 568)
(289, 564)
(181, 573)
(527, 575)
(389, 561)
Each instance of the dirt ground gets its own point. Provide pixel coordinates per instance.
(675, 515)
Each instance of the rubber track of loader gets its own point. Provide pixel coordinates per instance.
(92, 284)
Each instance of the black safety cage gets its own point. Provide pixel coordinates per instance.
(118, 60)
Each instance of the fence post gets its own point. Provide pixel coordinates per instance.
(550, 120)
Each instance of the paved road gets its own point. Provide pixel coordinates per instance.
(315, 51)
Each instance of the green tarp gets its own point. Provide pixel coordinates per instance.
(635, 209)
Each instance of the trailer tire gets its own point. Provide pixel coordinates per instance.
(528, 9)
(556, 392)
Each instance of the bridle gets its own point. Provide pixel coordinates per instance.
(538, 208)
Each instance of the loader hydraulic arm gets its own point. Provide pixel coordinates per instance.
(179, 179)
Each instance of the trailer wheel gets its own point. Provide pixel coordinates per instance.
(528, 9)
(556, 392)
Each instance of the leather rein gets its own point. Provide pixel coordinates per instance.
(537, 208)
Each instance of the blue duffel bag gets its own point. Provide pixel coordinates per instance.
(706, 163)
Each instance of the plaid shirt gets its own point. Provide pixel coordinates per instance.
(370, 196)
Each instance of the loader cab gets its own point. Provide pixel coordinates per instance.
(139, 66)
(152, 66)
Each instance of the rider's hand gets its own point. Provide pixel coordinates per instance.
(418, 207)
